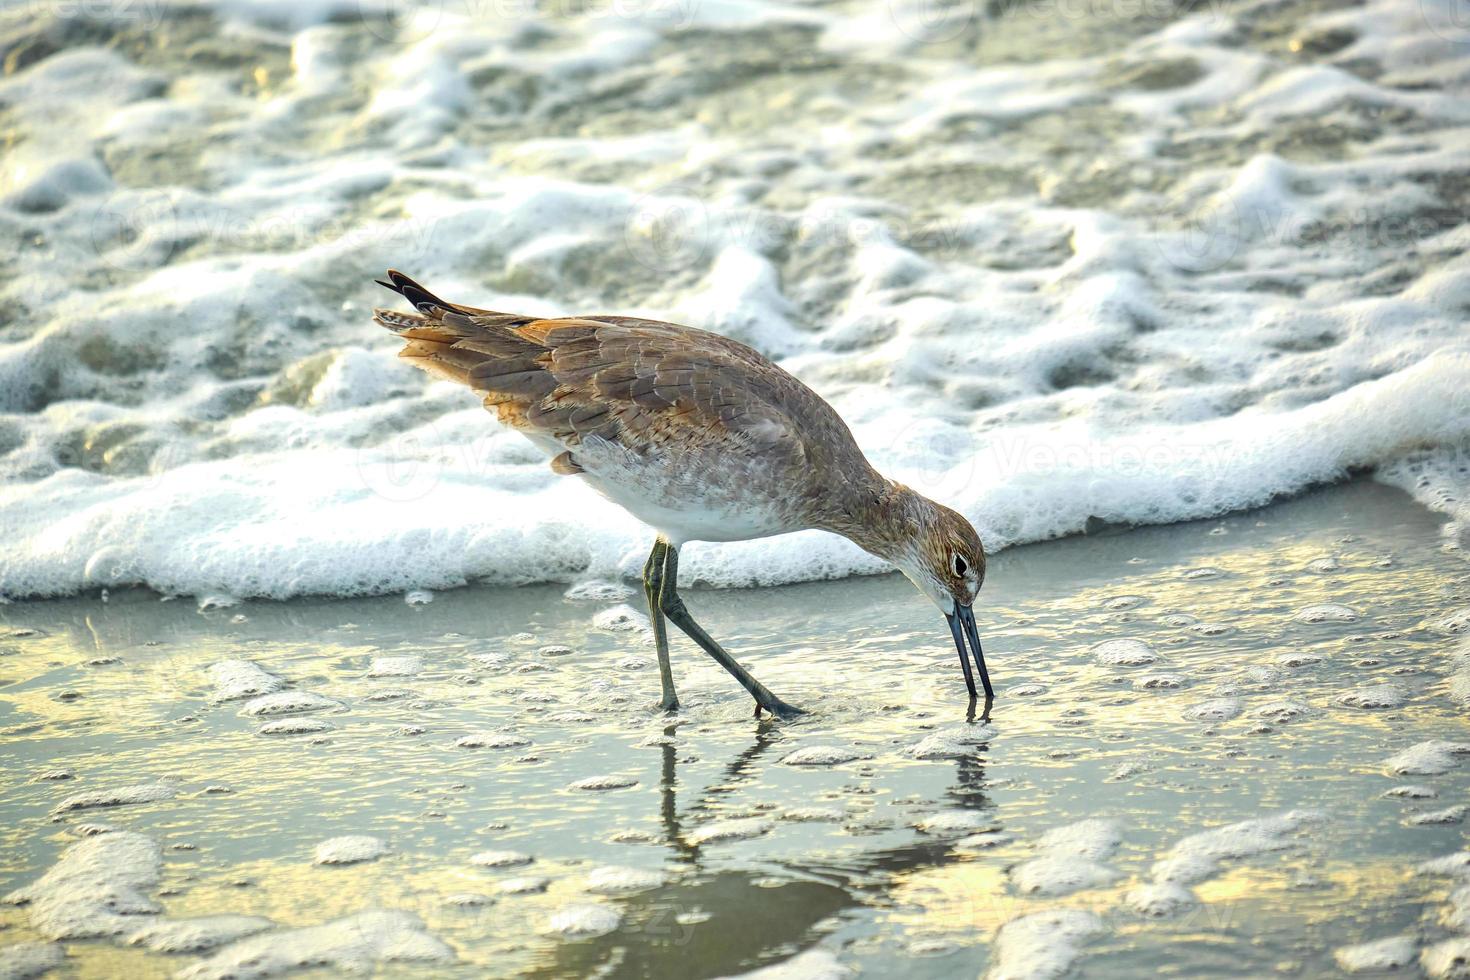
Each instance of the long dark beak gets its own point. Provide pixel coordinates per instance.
(962, 627)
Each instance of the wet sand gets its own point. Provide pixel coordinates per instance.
(537, 816)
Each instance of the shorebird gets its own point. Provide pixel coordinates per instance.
(701, 438)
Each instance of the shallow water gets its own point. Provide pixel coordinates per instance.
(882, 862)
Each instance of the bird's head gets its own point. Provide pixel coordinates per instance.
(940, 553)
(945, 558)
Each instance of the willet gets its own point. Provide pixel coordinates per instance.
(703, 439)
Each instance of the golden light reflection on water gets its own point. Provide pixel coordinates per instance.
(120, 695)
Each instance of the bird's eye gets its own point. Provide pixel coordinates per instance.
(960, 568)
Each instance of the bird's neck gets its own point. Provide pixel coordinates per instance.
(881, 517)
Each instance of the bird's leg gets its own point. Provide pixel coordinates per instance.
(653, 576)
(673, 607)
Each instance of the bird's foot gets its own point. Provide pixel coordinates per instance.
(778, 708)
(669, 705)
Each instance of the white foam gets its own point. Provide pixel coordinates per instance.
(740, 828)
(1160, 899)
(952, 743)
(352, 944)
(602, 783)
(820, 755)
(523, 885)
(621, 618)
(610, 880)
(1374, 696)
(350, 849)
(1124, 653)
(584, 921)
(501, 859)
(1070, 859)
(1378, 956)
(287, 703)
(811, 964)
(98, 887)
(1327, 612)
(1456, 865)
(954, 822)
(118, 796)
(1427, 758)
(24, 961)
(395, 666)
(1447, 960)
(197, 935)
(294, 726)
(1200, 856)
(1216, 709)
(235, 680)
(492, 740)
(1042, 945)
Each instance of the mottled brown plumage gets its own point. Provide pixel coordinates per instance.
(696, 434)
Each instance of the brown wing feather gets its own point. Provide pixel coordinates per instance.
(647, 385)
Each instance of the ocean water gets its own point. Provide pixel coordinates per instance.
(1232, 748)
(1060, 264)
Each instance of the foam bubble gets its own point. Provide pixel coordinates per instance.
(597, 784)
(1199, 856)
(584, 921)
(96, 888)
(1070, 858)
(955, 822)
(1327, 612)
(611, 880)
(1374, 696)
(1429, 758)
(1041, 945)
(287, 703)
(1378, 956)
(1216, 709)
(349, 849)
(236, 680)
(197, 935)
(492, 740)
(294, 726)
(395, 666)
(740, 828)
(820, 755)
(1124, 653)
(524, 885)
(119, 796)
(1456, 865)
(352, 944)
(1447, 960)
(501, 859)
(1160, 899)
(24, 961)
(621, 618)
(1435, 818)
(952, 743)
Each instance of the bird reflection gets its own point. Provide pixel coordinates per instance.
(713, 920)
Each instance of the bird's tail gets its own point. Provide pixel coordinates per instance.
(451, 341)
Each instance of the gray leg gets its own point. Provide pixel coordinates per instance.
(653, 576)
(673, 607)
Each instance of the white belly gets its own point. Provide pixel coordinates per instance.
(690, 499)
